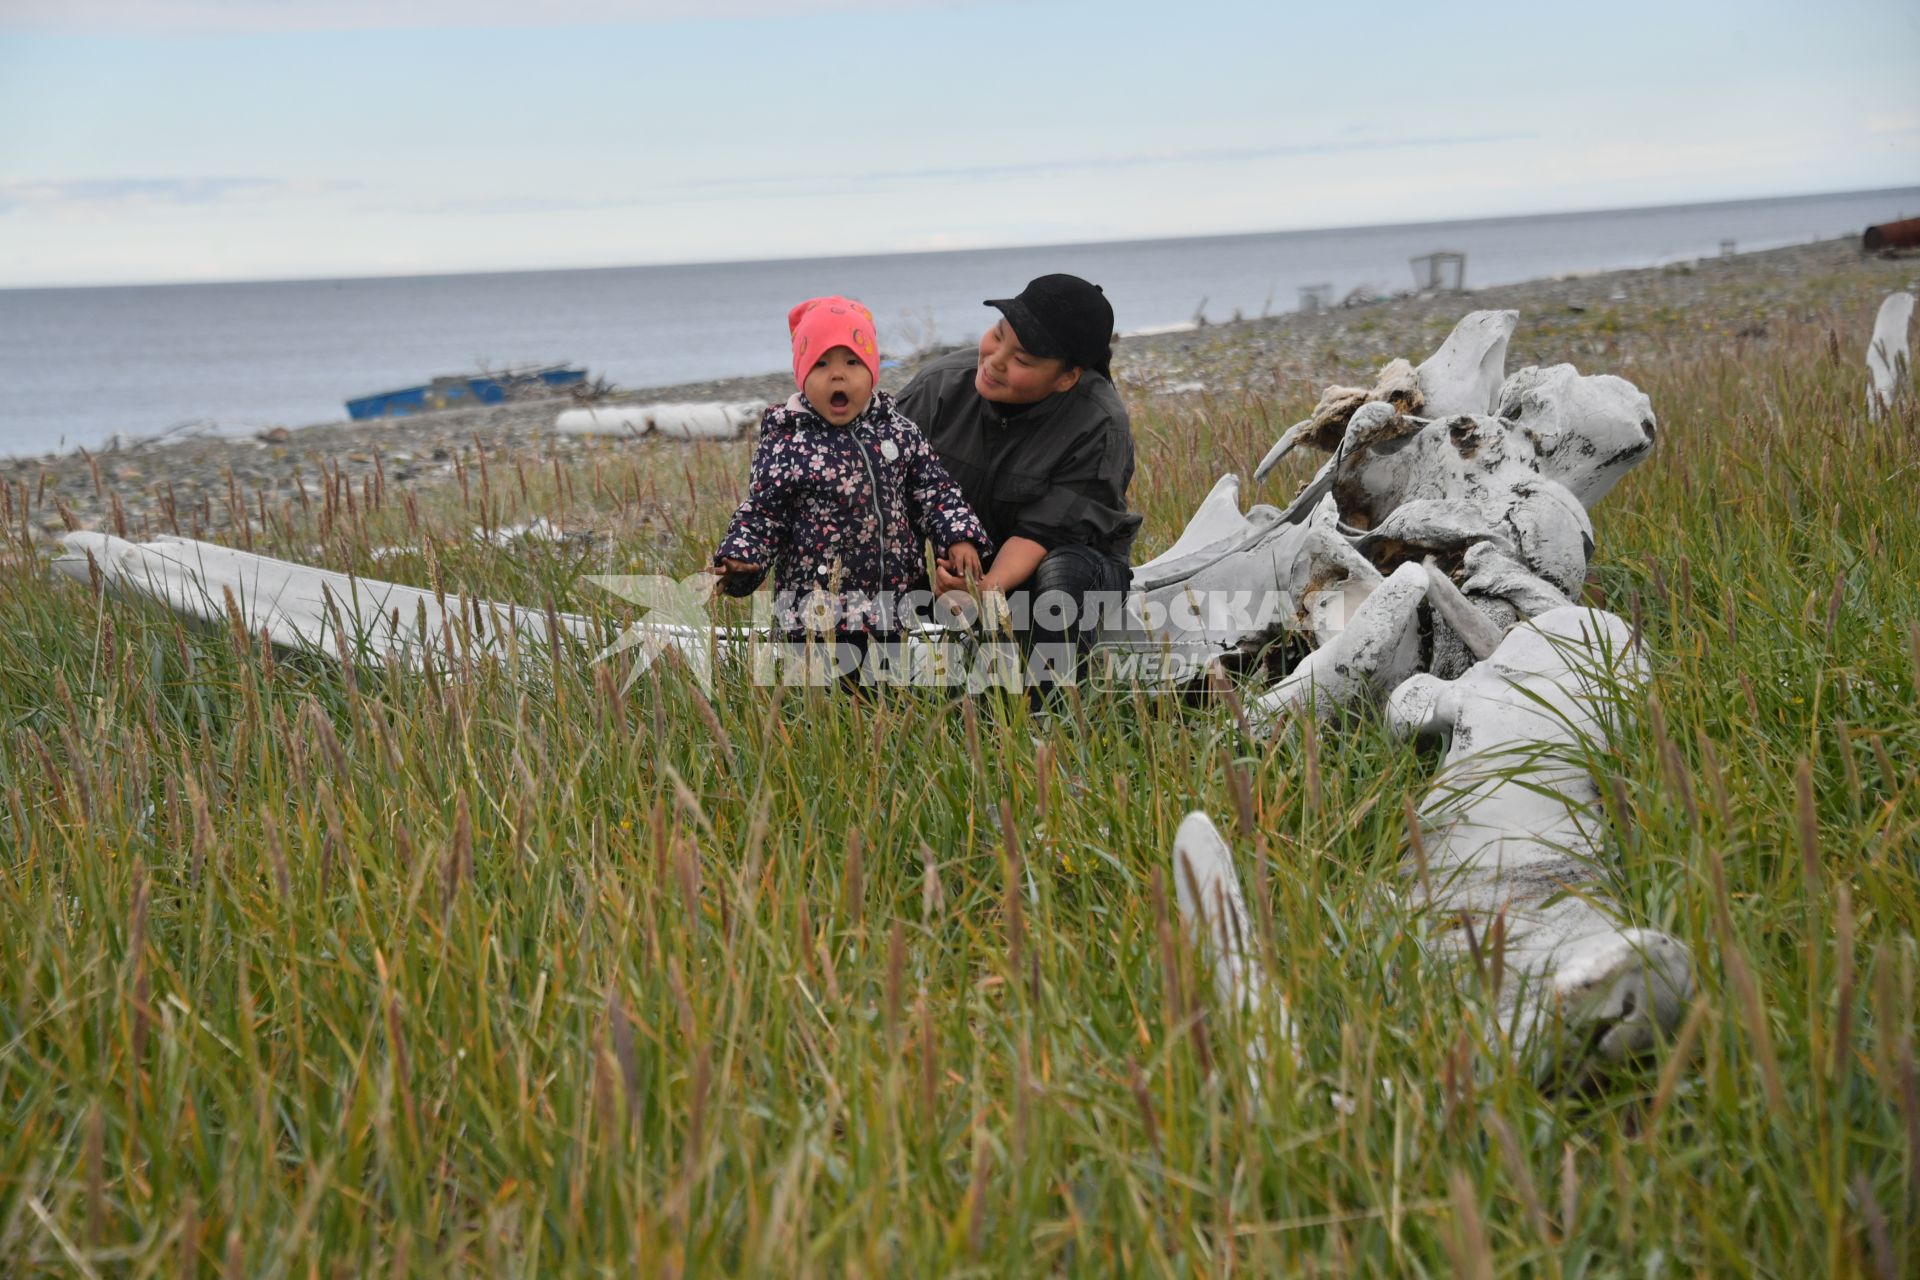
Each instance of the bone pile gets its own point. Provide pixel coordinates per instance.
(1453, 473)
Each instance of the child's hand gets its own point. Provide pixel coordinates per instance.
(730, 571)
(960, 566)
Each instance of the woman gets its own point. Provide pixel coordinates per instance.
(1032, 429)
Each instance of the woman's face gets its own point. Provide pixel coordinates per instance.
(1010, 374)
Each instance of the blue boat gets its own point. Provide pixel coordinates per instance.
(461, 392)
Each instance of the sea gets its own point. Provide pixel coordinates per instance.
(81, 366)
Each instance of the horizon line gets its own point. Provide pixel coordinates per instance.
(983, 248)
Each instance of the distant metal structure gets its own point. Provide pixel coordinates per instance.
(1729, 247)
(1316, 297)
(1904, 234)
(1441, 272)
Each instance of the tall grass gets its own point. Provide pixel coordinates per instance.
(321, 971)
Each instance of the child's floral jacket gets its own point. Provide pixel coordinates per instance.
(842, 511)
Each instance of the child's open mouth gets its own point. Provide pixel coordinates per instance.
(839, 401)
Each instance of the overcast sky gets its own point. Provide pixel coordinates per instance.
(214, 139)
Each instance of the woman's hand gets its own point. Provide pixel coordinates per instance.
(959, 570)
(1013, 564)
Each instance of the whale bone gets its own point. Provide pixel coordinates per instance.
(1323, 429)
(1887, 360)
(1512, 837)
(1216, 529)
(1377, 649)
(680, 420)
(1588, 430)
(1464, 375)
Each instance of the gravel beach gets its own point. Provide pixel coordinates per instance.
(1603, 322)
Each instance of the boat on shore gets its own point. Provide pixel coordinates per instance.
(461, 391)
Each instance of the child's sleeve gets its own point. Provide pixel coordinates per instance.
(761, 523)
(938, 509)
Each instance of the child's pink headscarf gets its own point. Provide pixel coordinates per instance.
(819, 325)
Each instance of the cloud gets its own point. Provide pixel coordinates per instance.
(102, 193)
(1139, 160)
(760, 186)
(202, 17)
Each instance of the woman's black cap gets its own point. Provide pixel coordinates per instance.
(1062, 317)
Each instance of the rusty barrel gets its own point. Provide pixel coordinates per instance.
(1904, 234)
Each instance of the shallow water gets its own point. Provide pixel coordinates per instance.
(79, 365)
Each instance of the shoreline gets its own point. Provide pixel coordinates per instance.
(1602, 321)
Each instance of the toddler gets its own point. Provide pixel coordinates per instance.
(844, 491)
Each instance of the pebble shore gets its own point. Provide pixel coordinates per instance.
(1603, 322)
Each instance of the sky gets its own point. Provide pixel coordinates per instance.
(177, 140)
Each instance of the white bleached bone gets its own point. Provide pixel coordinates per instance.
(538, 529)
(1223, 601)
(1427, 524)
(696, 420)
(1216, 528)
(1475, 629)
(1513, 838)
(296, 605)
(1549, 531)
(1371, 467)
(1411, 486)
(1329, 579)
(1498, 583)
(1214, 915)
(1243, 593)
(1213, 591)
(1587, 431)
(1406, 486)
(1366, 468)
(605, 420)
(1217, 520)
(706, 421)
(1508, 489)
(1888, 362)
(302, 608)
(1464, 375)
(1377, 649)
(1395, 385)
(299, 607)
(1489, 474)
